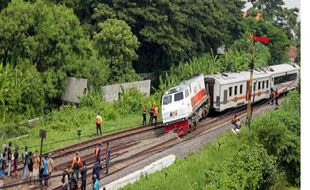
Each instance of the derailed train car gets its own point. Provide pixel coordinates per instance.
(190, 101)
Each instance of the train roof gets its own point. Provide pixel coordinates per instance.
(263, 72)
(183, 85)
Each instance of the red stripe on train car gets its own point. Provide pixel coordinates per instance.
(198, 97)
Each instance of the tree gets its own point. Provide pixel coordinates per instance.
(117, 44)
(21, 92)
(279, 42)
(47, 35)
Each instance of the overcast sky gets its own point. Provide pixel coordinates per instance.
(288, 3)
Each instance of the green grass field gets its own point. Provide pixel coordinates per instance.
(62, 128)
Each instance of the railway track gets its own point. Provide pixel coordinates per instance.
(122, 156)
(118, 140)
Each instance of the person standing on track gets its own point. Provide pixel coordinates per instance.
(108, 157)
(151, 112)
(98, 123)
(65, 178)
(76, 164)
(144, 116)
(45, 171)
(2, 164)
(276, 97)
(25, 158)
(73, 182)
(15, 160)
(50, 165)
(155, 108)
(272, 95)
(83, 176)
(9, 158)
(30, 167)
(96, 183)
(98, 152)
(96, 169)
(36, 164)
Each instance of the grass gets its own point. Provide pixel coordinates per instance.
(60, 133)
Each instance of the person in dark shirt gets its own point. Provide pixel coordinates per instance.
(97, 168)
(30, 166)
(9, 150)
(83, 176)
(144, 116)
(15, 156)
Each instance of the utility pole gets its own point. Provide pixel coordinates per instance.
(249, 93)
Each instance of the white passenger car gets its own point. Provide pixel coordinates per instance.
(229, 89)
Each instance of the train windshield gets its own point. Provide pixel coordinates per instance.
(178, 96)
(167, 100)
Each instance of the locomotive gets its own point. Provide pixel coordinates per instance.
(184, 105)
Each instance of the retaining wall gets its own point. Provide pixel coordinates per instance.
(111, 92)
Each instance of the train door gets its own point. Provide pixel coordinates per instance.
(225, 96)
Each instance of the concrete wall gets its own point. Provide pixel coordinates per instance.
(111, 92)
(74, 89)
(147, 170)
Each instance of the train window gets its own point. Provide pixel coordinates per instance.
(167, 99)
(258, 85)
(285, 78)
(236, 90)
(186, 93)
(241, 87)
(230, 91)
(263, 85)
(267, 83)
(178, 96)
(254, 86)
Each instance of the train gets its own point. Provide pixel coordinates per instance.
(185, 104)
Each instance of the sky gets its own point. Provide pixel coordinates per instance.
(288, 3)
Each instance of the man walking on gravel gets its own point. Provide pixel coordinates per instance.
(98, 123)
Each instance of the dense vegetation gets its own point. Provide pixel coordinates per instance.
(266, 156)
(110, 41)
(42, 42)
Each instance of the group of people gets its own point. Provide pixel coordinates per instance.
(274, 96)
(78, 170)
(8, 160)
(32, 169)
(153, 112)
